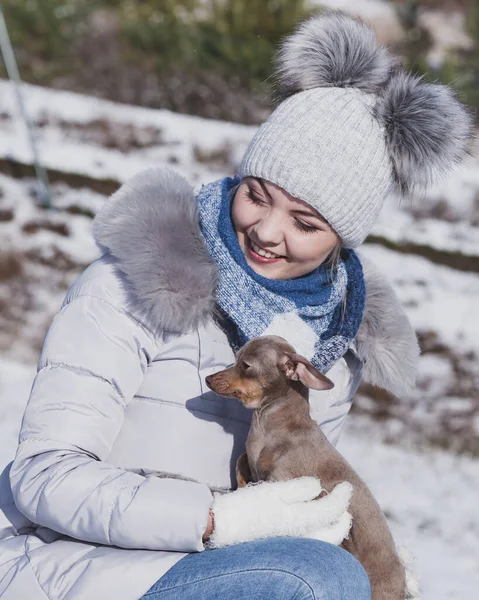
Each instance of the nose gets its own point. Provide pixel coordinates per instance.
(269, 231)
(208, 379)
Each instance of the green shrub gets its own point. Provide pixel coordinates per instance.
(208, 57)
(242, 36)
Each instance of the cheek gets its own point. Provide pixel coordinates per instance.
(252, 393)
(312, 247)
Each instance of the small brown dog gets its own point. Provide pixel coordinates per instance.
(284, 442)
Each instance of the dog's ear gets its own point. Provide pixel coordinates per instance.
(297, 367)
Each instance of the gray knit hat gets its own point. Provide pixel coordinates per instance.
(352, 126)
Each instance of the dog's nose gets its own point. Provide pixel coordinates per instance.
(208, 379)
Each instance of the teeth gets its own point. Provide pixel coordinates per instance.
(262, 252)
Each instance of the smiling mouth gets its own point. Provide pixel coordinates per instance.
(261, 251)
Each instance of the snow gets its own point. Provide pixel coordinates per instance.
(430, 499)
(437, 298)
(454, 235)
(202, 150)
(178, 135)
(429, 496)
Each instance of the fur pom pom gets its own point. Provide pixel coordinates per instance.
(332, 49)
(427, 130)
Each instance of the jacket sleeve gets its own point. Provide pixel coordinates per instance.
(92, 364)
(330, 408)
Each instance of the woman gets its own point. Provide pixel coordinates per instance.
(122, 444)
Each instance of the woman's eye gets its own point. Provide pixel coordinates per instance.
(299, 224)
(253, 198)
(303, 227)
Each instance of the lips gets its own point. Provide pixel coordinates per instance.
(257, 257)
(251, 245)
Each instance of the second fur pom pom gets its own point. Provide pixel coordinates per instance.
(332, 50)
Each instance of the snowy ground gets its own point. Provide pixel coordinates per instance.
(430, 499)
(429, 496)
(432, 253)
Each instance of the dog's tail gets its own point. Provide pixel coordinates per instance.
(413, 590)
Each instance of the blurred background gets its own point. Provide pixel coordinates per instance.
(212, 58)
(113, 87)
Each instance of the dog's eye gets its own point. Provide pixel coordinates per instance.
(245, 366)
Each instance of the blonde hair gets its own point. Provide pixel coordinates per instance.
(334, 256)
(333, 261)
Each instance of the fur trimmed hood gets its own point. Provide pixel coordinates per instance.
(150, 227)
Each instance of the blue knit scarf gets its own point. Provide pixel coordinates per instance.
(308, 311)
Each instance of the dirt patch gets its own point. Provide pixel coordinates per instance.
(442, 411)
(10, 265)
(74, 209)
(20, 170)
(220, 157)
(440, 209)
(56, 259)
(455, 260)
(109, 134)
(32, 227)
(6, 214)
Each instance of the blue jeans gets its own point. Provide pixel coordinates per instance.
(284, 568)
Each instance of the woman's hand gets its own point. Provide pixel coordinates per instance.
(209, 527)
(278, 508)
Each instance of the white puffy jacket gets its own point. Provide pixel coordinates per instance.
(121, 441)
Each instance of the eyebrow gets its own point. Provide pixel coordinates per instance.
(306, 212)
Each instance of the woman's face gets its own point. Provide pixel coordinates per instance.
(266, 216)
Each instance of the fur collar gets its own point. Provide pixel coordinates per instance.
(150, 227)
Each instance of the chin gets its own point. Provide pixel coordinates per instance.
(267, 272)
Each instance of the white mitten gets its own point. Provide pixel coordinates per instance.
(270, 509)
(336, 532)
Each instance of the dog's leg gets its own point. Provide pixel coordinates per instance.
(243, 473)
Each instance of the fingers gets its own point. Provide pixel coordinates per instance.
(302, 489)
(335, 533)
(342, 492)
(324, 511)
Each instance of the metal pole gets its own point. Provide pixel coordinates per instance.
(14, 75)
